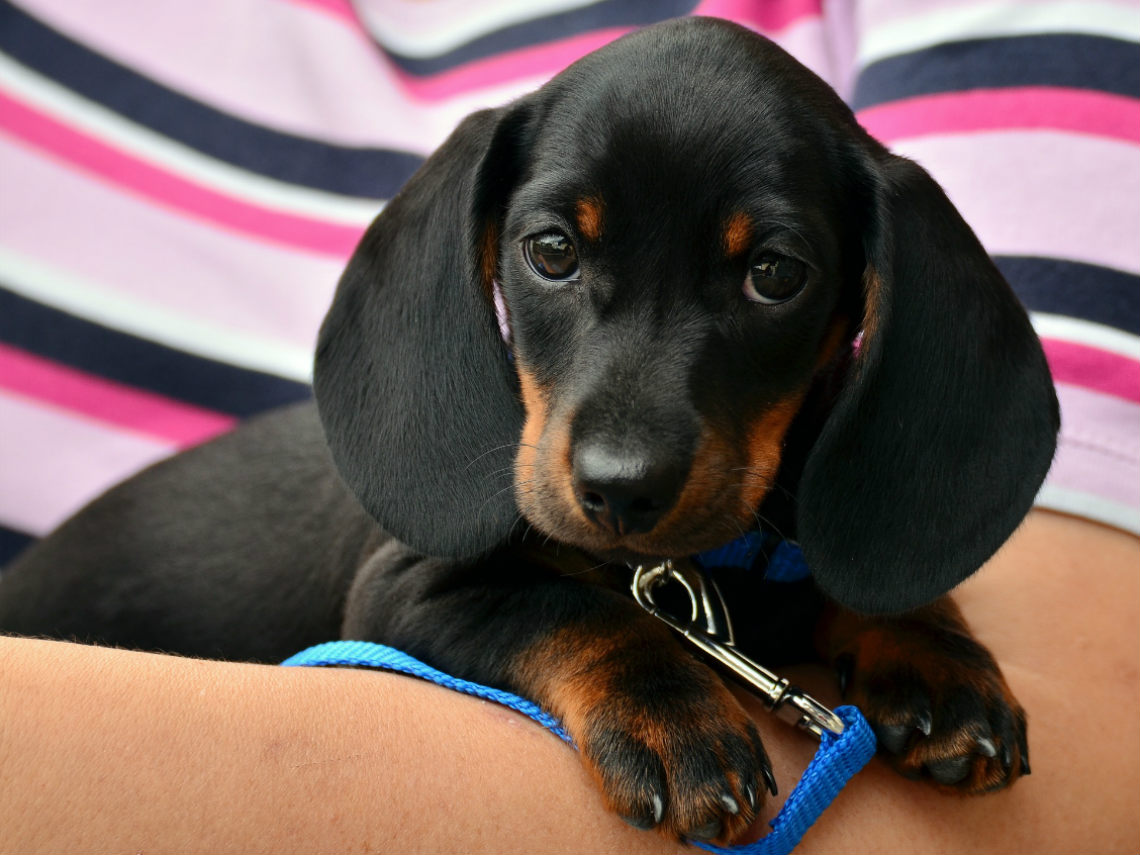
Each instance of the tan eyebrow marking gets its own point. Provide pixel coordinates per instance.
(590, 218)
(737, 234)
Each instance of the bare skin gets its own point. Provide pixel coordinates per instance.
(107, 750)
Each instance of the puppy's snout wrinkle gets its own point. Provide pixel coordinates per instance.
(627, 490)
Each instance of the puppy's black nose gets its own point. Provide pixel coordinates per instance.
(627, 491)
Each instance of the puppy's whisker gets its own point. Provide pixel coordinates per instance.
(489, 451)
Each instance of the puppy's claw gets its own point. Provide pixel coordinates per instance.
(925, 723)
(729, 804)
(986, 747)
(750, 796)
(769, 779)
(1007, 757)
(646, 821)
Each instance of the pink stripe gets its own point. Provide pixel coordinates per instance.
(156, 258)
(169, 190)
(341, 9)
(1092, 368)
(767, 17)
(108, 401)
(1080, 111)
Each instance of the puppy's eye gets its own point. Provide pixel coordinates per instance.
(774, 278)
(552, 256)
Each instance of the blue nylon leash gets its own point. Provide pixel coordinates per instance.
(835, 762)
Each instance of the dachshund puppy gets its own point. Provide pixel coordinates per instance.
(674, 296)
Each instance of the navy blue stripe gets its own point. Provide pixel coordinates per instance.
(137, 362)
(369, 173)
(1085, 291)
(1078, 62)
(564, 25)
(12, 543)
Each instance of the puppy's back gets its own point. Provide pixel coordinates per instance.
(241, 548)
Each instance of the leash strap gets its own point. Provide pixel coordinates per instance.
(836, 761)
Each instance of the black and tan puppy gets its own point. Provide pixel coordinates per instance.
(674, 295)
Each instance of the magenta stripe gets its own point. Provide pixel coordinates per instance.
(169, 190)
(767, 17)
(1080, 111)
(1092, 368)
(337, 8)
(107, 401)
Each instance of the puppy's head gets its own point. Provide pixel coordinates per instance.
(605, 305)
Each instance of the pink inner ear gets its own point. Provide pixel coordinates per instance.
(857, 344)
(501, 312)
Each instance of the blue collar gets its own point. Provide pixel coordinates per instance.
(784, 559)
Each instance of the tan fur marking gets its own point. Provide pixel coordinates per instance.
(737, 234)
(590, 218)
(872, 301)
(765, 447)
(706, 479)
(535, 406)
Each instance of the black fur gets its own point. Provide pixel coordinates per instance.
(647, 409)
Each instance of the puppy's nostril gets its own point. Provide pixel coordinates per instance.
(593, 502)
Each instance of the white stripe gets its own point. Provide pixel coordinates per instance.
(1089, 506)
(94, 302)
(1076, 331)
(995, 20)
(423, 30)
(107, 126)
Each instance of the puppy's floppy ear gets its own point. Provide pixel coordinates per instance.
(412, 379)
(936, 447)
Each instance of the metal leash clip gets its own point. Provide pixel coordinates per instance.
(708, 628)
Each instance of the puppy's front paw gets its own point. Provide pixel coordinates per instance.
(677, 753)
(938, 704)
(670, 747)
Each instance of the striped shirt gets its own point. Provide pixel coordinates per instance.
(181, 184)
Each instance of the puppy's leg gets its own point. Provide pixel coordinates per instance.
(666, 741)
(935, 696)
